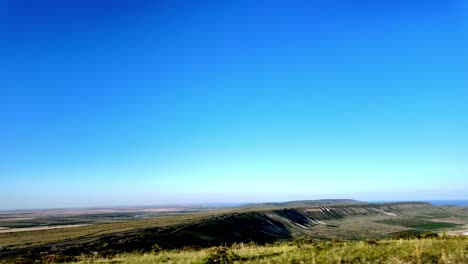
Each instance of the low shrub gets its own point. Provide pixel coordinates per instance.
(415, 235)
(221, 255)
(407, 235)
(156, 249)
(429, 235)
(372, 242)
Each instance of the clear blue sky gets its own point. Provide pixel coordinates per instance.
(152, 102)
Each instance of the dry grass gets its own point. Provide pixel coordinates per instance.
(447, 250)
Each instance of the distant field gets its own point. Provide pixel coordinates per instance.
(66, 217)
(17, 240)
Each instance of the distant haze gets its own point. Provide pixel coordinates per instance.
(125, 102)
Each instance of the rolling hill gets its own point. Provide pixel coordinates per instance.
(259, 223)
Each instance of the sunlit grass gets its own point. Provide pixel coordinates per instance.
(448, 250)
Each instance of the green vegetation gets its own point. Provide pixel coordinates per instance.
(435, 250)
(415, 234)
(419, 224)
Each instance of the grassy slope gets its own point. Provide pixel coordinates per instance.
(448, 250)
(262, 225)
(43, 237)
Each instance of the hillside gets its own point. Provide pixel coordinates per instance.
(260, 224)
(302, 203)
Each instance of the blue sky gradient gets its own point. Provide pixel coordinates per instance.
(152, 102)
